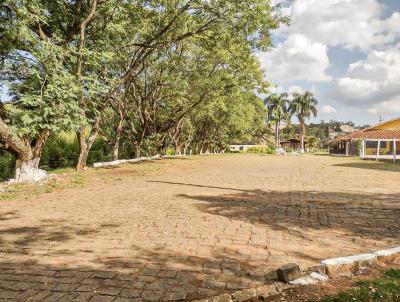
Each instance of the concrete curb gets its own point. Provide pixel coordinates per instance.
(140, 159)
(349, 264)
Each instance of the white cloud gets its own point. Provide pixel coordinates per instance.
(348, 23)
(328, 109)
(296, 89)
(297, 58)
(373, 82)
(370, 84)
(390, 107)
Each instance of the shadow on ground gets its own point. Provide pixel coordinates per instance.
(172, 276)
(374, 216)
(151, 274)
(367, 215)
(161, 272)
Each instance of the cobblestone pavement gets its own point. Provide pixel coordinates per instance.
(199, 228)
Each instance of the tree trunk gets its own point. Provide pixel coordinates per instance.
(137, 150)
(277, 135)
(83, 149)
(86, 145)
(28, 159)
(178, 149)
(115, 155)
(27, 170)
(302, 133)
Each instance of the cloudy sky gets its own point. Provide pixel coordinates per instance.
(345, 51)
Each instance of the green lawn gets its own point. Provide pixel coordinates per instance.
(385, 289)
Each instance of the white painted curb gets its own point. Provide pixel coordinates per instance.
(340, 265)
(388, 253)
(135, 160)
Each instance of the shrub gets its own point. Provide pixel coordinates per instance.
(268, 149)
(60, 151)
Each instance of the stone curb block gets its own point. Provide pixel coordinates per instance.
(344, 265)
(389, 253)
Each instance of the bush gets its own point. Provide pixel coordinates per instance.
(7, 165)
(261, 149)
(60, 151)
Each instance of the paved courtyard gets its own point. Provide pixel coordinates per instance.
(196, 228)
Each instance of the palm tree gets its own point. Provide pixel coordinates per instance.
(277, 111)
(303, 106)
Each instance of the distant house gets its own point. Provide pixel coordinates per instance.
(381, 141)
(292, 143)
(238, 148)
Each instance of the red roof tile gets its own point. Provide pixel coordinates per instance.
(372, 134)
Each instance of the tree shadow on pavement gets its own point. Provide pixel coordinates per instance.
(373, 216)
(171, 276)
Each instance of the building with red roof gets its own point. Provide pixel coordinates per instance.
(381, 141)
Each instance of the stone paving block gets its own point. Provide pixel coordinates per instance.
(222, 298)
(25, 295)
(174, 296)
(167, 274)
(23, 285)
(104, 275)
(100, 298)
(151, 296)
(83, 297)
(244, 295)
(121, 299)
(40, 296)
(65, 287)
(288, 272)
(5, 294)
(109, 290)
(130, 293)
(87, 288)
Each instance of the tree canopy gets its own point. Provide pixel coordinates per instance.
(131, 72)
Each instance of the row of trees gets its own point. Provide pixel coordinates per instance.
(281, 109)
(163, 73)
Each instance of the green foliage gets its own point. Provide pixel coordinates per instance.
(149, 74)
(268, 149)
(59, 153)
(7, 164)
(384, 289)
(303, 105)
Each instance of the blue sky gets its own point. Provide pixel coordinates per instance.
(345, 51)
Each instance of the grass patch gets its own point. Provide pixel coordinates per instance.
(61, 170)
(383, 289)
(11, 192)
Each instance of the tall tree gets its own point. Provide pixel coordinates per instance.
(43, 93)
(277, 111)
(303, 106)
